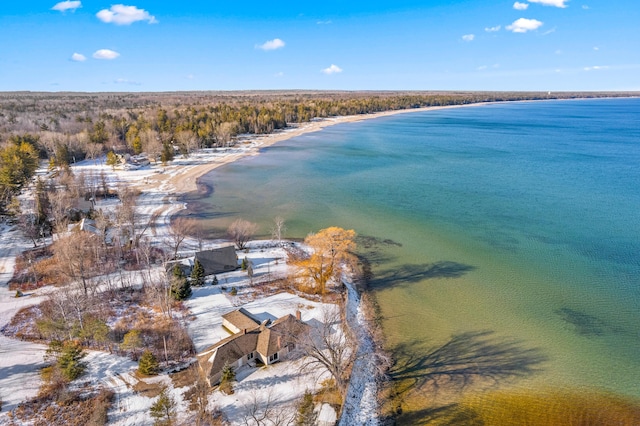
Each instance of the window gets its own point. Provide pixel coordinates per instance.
(250, 356)
(273, 357)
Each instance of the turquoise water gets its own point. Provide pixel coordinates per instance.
(519, 219)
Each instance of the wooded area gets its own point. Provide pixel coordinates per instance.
(68, 127)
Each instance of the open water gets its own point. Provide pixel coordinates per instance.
(513, 224)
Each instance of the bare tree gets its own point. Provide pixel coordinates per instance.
(329, 348)
(263, 409)
(241, 231)
(60, 202)
(187, 141)
(278, 229)
(151, 144)
(74, 256)
(224, 131)
(179, 230)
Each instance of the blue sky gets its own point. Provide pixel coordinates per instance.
(144, 45)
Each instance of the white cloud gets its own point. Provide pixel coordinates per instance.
(559, 52)
(596, 48)
(323, 22)
(482, 67)
(520, 6)
(120, 14)
(596, 68)
(63, 6)
(78, 57)
(585, 7)
(274, 44)
(190, 77)
(105, 54)
(333, 69)
(523, 25)
(468, 37)
(493, 29)
(279, 74)
(556, 3)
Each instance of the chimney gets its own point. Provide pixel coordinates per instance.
(244, 331)
(299, 315)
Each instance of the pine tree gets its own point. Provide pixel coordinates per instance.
(215, 280)
(245, 264)
(148, 364)
(306, 416)
(112, 159)
(180, 286)
(227, 379)
(164, 409)
(197, 274)
(131, 342)
(69, 361)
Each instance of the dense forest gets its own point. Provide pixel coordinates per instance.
(67, 127)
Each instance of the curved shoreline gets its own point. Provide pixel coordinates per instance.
(186, 181)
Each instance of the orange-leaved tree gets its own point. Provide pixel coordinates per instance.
(331, 247)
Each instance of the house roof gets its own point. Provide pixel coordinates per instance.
(265, 339)
(218, 260)
(228, 350)
(241, 319)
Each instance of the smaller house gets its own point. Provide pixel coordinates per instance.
(266, 342)
(217, 261)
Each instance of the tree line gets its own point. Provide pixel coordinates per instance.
(65, 128)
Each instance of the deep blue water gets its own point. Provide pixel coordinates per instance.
(535, 204)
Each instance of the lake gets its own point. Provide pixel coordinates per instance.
(505, 234)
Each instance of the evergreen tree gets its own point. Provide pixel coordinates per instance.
(180, 286)
(132, 342)
(167, 153)
(215, 280)
(67, 358)
(245, 264)
(306, 416)
(112, 159)
(148, 364)
(197, 274)
(227, 379)
(164, 409)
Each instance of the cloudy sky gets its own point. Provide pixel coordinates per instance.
(150, 45)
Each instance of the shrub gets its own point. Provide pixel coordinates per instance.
(148, 364)
(234, 291)
(227, 379)
(306, 416)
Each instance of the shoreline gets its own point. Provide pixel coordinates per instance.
(184, 179)
(187, 181)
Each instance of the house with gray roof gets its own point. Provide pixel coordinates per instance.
(253, 341)
(217, 261)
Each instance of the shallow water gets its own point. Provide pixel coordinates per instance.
(520, 220)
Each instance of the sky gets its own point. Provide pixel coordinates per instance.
(150, 45)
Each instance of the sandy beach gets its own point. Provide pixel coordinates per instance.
(183, 179)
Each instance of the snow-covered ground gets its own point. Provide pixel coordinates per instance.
(277, 386)
(19, 361)
(361, 404)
